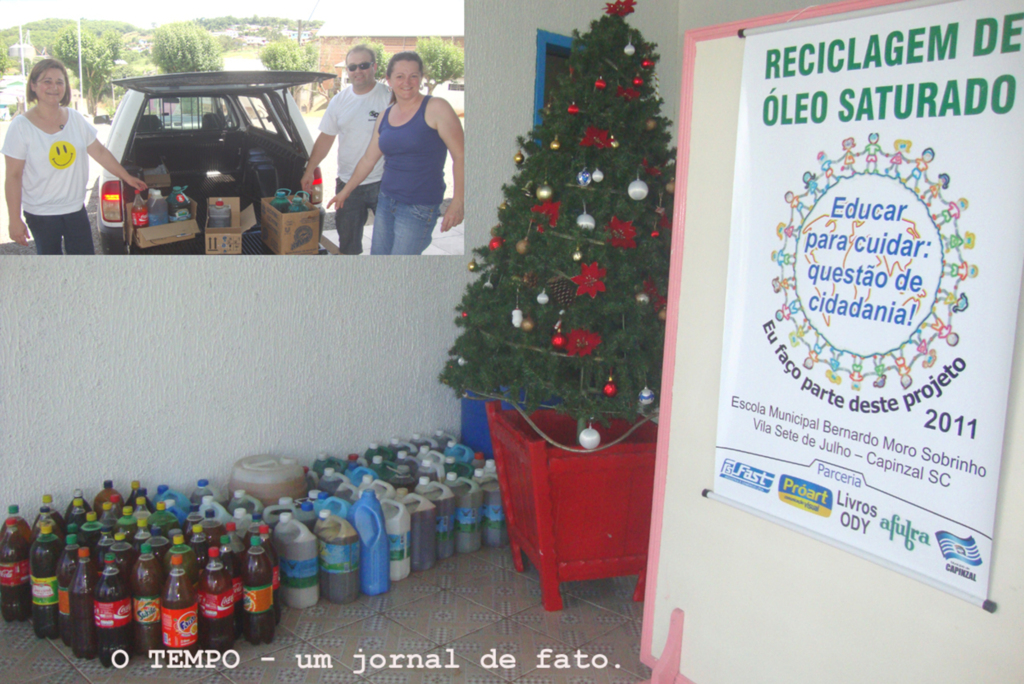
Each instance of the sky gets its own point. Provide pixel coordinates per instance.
(145, 14)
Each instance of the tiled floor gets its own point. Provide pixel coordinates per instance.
(458, 612)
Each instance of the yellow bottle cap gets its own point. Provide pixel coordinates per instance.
(179, 539)
(91, 516)
(127, 510)
(107, 505)
(196, 529)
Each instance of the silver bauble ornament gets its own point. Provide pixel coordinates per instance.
(598, 175)
(590, 438)
(646, 396)
(643, 298)
(586, 221)
(462, 361)
(638, 190)
(543, 298)
(583, 178)
(629, 49)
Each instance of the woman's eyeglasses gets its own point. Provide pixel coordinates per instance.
(361, 65)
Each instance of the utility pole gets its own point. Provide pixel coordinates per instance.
(81, 80)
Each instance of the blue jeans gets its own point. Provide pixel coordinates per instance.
(402, 228)
(74, 230)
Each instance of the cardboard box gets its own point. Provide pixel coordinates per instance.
(291, 233)
(225, 240)
(158, 180)
(151, 236)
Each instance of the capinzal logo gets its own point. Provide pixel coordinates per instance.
(749, 476)
(807, 496)
(904, 528)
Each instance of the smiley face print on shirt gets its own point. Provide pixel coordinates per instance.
(62, 155)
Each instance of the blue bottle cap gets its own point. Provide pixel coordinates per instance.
(321, 496)
(306, 506)
(203, 483)
(257, 516)
(161, 489)
(194, 508)
(209, 513)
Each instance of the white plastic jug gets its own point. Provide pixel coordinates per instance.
(242, 519)
(220, 215)
(443, 437)
(367, 483)
(468, 499)
(271, 514)
(219, 512)
(268, 478)
(384, 489)
(241, 499)
(347, 491)
(398, 525)
(203, 487)
(297, 548)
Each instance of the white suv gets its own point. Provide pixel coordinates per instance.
(221, 133)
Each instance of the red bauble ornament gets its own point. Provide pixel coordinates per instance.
(638, 81)
(573, 109)
(600, 84)
(647, 63)
(496, 243)
(610, 390)
(465, 314)
(559, 341)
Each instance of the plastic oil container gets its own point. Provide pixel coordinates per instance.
(296, 547)
(330, 480)
(268, 478)
(374, 550)
(348, 492)
(383, 489)
(493, 529)
(156, 206)
(179, 206)
(423, 524)
(441, 496)
(468, 499)
(241, 499)
(280, 201)
(219, 215)
(338, 546)
(398, 524)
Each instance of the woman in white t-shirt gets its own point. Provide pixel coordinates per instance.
(46, 173)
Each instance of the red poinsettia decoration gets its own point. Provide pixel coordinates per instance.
(622, 234)
(620, 8)
(627, 94)
(595, 137)
(657, 300)
(651, 170)
(549, 209)
(589, 280)
(582, 342)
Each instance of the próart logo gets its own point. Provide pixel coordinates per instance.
(758, 479)
(898, 528)
(807, 496)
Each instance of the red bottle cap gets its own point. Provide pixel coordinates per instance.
(83, 552)
(231, 527)
(214, 552)
(264, 529)
(176, 559)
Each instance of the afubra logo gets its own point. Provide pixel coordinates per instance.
(749, 476)
(897, 528)
(806, 496)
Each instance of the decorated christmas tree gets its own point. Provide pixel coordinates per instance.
(571, 295)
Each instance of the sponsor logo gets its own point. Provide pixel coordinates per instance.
(905, 529)
(807, 496)
(962, 554)
(374, 114)
(758, 479)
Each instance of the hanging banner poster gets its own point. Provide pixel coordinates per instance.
(874, 273)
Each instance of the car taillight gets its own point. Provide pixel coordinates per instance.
(110, 201)
(317, 196)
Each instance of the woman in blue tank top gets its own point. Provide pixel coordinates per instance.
(415, 135)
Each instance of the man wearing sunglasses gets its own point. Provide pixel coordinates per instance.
(352, 114)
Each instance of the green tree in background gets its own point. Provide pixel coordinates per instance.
(443, 61)
(185, 47)
(571, 290)
(98, 55)
(5, 62)
(287, 55)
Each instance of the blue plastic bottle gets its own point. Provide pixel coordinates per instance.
(356, 474)
(375, 562)
(176, 502)
(461, 452)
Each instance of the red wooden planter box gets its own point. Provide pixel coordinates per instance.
(577, 516)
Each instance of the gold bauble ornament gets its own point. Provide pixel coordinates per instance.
(615, 144)
(663, 314)
(472, 266)
(547, 109)
(523, 246)
(528, 325)
(555, 145)
(651, 124)
(577, 255)
(519, 157)
(503, 206)
(544, 192)
(670, 187)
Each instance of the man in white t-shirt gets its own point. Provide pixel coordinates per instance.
(351, 116)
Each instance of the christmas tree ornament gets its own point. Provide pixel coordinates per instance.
(543, 298)
(574, 109)
(598, 175)
(530, 279)
(646, 396)
(585, 220)
(614, 143)
(600, 83)
(465, 314)
(472, 266)
(547, 109)
(555, 145)
(519, 158)
(650, 124)
(462, 361)
(503, 206)
(642, 298)
(590, 280)
(489, 285)
(621, 234)
(670, 187)
(563, 291)
(583, 178)
(517, 317)
(638, 190)
(590, 438)
(610, 389)
(647, 63)
(662, 315)
(629, 49)
(496, 243)
(577, 255)
(528, 324)
(637, 81)
(544, 192)
(523, 246)
(558, 341)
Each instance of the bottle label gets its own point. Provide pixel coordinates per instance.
(299, 574)
(258, 599)
(140, 218)
(236, 588)
(467, 519)
(114, 614)
(399, 545)
(14, 574)
(335, 558)
(276, 583)
(444, 527)
(180, 626)
(493, 517)
(147, 609)
(63, 601)
(44, 591)
(217, 606)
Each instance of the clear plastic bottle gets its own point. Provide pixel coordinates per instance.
(156, 207)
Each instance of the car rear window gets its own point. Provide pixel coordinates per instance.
(187, 114)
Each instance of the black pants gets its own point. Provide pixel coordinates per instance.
(351, 218)
(73, 230)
